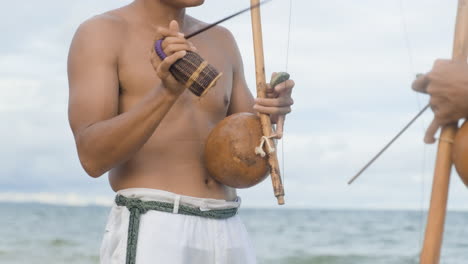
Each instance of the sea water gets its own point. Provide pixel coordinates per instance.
(38, 233)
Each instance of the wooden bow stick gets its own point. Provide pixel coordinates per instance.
(261, 93)
(430, 253)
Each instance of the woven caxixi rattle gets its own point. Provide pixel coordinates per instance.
(192, 71)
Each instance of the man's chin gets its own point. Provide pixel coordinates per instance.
(185, 3)
(194, 3)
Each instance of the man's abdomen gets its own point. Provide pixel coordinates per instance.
(174, 166)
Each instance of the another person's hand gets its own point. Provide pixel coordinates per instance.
(175, 46)
(277, 104)
(447, 84)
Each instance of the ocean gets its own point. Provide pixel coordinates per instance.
(52, 234)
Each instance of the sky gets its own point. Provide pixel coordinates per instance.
(353, 63)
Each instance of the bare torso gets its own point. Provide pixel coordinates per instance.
(172, 158)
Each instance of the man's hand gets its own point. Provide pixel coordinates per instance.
(175, 46)
(277, 104)
(447, 84)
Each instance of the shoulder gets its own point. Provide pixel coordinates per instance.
(218, 34)
(223, 32)
(220, 38)
(104, 31)
(225, 39)
(105, 25)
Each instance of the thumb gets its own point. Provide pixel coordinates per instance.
(174, 26)
(421, 83)
(429, 138)
(269, 88)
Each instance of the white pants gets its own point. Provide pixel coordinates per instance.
(175, 238)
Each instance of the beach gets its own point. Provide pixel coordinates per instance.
(53, 234)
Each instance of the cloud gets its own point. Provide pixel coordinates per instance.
(351, 66)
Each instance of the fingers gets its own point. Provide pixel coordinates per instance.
(171, 49)
(284, 87)
(433, 102)
(275, 102)
(274, 119)
(421, 83)
(436, 85)
(163, 67)
(429, 138)
(154, 58)
(441, 62)
(165, 32)
(272, 110)
(172, 31)
(269, 89)
(278, 101)
(174, 40)
(441, 107)
(170, 41)
(430, 82)
(273, 74)
(174, 26)
(280, 126)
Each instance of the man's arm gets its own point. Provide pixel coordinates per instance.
(104, 138)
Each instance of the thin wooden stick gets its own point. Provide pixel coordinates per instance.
(433, 237)
(388, 144)
(261, 93)
(193, 34)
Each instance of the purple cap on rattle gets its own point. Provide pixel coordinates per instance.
(192, 71)
(159, 50)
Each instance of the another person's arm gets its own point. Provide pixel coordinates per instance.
(105, 138)
(447, 84)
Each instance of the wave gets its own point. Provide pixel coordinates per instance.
(70, 199)
(342, 259)
(61, 243)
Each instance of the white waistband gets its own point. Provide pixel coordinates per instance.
(205, 204)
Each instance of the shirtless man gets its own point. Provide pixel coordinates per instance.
(447, 84)
(130, 116)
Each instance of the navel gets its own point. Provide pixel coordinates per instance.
(226, 100)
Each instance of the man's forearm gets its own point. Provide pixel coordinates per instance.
(105, 144)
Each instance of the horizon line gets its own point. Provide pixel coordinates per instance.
(73, 199)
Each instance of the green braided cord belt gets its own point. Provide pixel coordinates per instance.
(138, 207)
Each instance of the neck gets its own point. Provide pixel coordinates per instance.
(158, 13)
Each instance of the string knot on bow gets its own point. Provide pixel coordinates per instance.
(265, 141)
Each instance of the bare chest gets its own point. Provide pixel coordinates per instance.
(137, 77)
